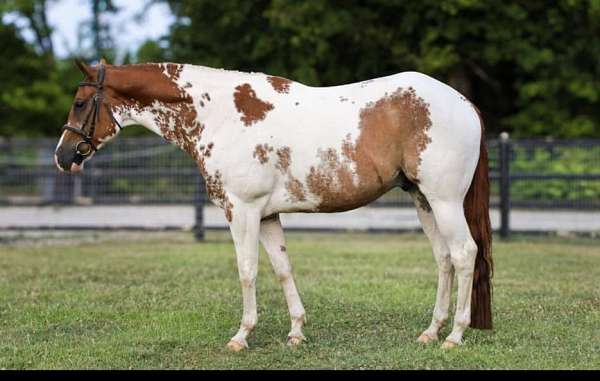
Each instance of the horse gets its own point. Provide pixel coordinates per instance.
(267, 145)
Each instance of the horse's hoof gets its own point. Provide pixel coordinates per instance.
(425, 339)
(234, 346)
(293, 341)
(449, 345)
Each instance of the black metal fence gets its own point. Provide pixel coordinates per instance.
(538, 174)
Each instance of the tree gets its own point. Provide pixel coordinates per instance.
(34, 11)
(95, 38)
(37, 89)
(529, 66)
(533, 68)
(103, 42)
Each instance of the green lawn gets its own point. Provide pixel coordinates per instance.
(167, 302)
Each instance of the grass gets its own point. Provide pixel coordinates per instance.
(168, 302)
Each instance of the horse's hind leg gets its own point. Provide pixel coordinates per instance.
(273, 240)
(441, 253)
(451, 223)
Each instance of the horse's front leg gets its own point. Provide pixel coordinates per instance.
(273, 240)
(245, 227)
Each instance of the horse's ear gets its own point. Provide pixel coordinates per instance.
(84, 69)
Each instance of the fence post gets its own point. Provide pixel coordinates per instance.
(504, 185)
(199, 208)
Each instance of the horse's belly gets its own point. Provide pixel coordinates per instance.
(347, 197)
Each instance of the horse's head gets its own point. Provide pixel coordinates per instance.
(90, 123)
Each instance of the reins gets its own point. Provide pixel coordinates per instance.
(94, 114)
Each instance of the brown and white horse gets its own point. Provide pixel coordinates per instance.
(267, 145)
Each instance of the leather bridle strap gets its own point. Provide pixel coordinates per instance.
(94, 114)
(87, 139)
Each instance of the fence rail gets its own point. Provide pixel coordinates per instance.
(528, 174)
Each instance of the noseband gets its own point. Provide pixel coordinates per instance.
(92, 116)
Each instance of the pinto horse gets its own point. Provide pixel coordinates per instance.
(267, 145)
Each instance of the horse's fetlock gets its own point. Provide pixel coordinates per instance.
(463, 323)
(284, 276)
(299, 318)
(249, 323)
(440, 319)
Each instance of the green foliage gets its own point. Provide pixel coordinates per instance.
(556, 161)
(151, 51)
(531, 67)
(36, 95)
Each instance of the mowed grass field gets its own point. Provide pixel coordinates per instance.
(165, 301)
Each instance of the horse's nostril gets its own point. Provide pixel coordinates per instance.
(63, 158)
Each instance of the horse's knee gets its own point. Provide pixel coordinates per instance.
(444, 262)
(247, 281)
(284, 276)
(282, 270)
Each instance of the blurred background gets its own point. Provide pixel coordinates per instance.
(532, 68)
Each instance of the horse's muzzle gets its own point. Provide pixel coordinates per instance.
(68, 160)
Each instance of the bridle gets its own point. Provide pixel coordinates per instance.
(93, 114)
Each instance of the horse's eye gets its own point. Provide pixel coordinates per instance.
(79, 103)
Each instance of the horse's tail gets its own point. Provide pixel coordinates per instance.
(476, 206)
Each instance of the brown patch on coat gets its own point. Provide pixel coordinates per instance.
(252, 108)
(261, 152)
(333, 181)
(153, 88)
(280, 84)
(205, 152)
(216, 192)
(396, 128)
(214, 182)
(295, 189)
(284, 159)
(392, 137)
(173, 71)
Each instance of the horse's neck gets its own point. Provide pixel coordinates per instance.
(177, 102)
